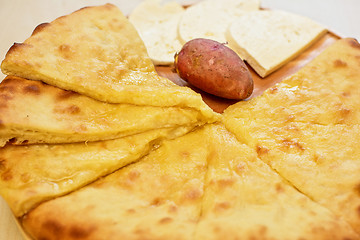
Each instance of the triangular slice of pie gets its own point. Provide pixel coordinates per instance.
(96, 52)
(158, 197)
(32, 174)
(34, 112)
(325, 91)
(307, 129)
(245, 199)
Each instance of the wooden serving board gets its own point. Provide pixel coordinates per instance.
(260, 84)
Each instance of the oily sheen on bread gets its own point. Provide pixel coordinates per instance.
(245, 199)
(157, 198)
(33, 174)
(163, 196)
(97, 52)
(307, 129)
(34, 112)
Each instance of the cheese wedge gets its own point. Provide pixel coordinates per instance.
(245, 199)
(269, 39)
(157, 26)
(157, 198)
(308, 141)
(33, 174)
(97, 52)
(210, 18)
(33, 112)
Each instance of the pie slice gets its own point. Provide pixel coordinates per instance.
(307, 139)
(323, 92)
(96, 52)
(34, 112)
(245, 199)
(158, 197)
(283, 36)
(32, 174)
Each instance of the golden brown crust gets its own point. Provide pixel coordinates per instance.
(307, 128)
(204, 185)
(158, 197)
(34, 112)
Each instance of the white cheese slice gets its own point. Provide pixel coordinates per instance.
(210, 18)
(157, 26)
(269, 39)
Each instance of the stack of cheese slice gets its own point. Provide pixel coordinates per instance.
(153, 161)
(265, 39)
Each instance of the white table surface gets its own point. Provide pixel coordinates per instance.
(18, 18)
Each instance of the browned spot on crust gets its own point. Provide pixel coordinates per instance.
(261, 150)
(339, 63)
(185, 154)
(344, 112)
(358, 211)
(165, 220)
(25, 177)
(172, 209)
(357, 187)
(17, 46)
(346, 94)
(2, 164)
(1, 121)
(131, 211)
(156, 202)
(228, 182)
(273, 90)
(193, 194)
(78, 232)
(39, 28)
(7, 88)
(54, 227)
(2, 106)
(72, 110)
(63, 95)
(6, 97)
(318, 159)
(103, 145)
(32, 89)
(279, 188)
(66, 51)
(222, 206)
(108, 6)
(133, 175)
(7, 175)
(353, 43)
(292, 144)
(263, 230)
